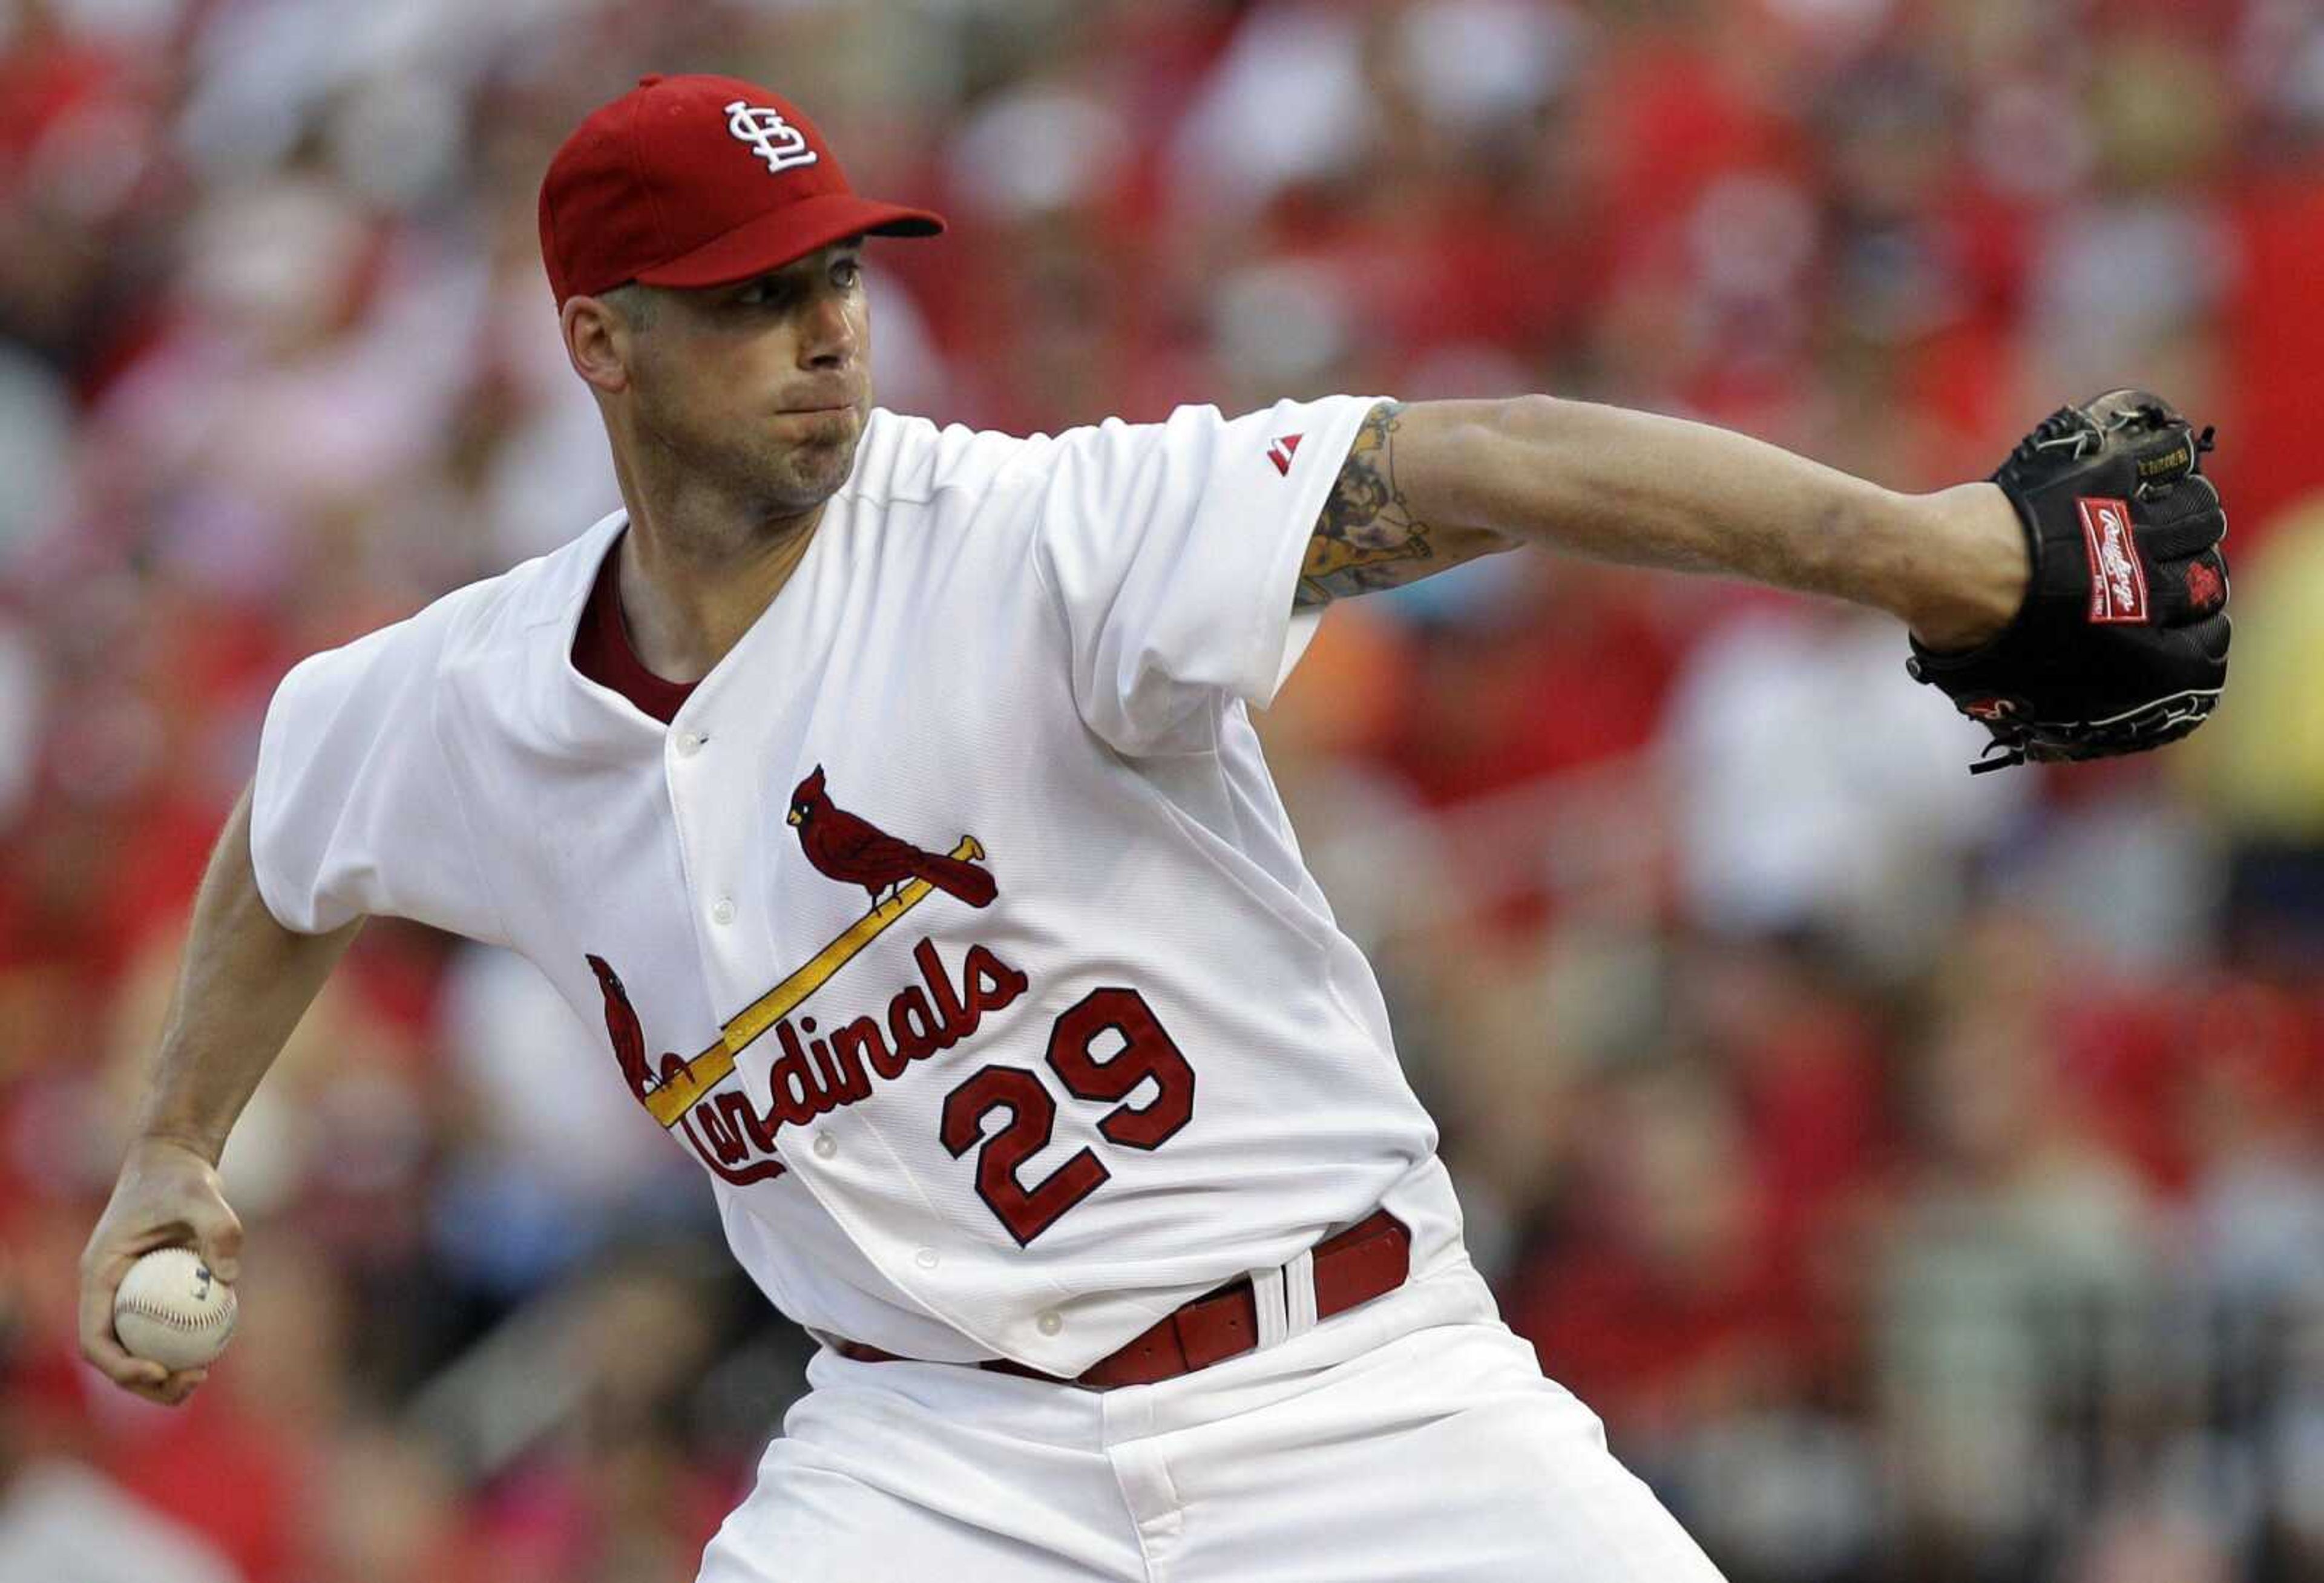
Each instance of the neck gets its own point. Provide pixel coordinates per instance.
(695, 574)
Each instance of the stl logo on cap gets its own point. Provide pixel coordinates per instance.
(770, 137)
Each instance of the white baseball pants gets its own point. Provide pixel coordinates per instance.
(1413, 1438)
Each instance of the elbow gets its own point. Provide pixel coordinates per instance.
(1479, 435)
(1530, 420)
(1490, 463)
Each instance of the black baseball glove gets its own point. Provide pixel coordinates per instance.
(2122, 642)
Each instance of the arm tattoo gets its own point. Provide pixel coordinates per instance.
(1368, 537)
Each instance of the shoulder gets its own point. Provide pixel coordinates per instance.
(546, 592)
(1265, 440)
(906, 460)
(482, 624)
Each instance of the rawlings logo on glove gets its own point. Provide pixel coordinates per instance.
(2117, 585)
(2123, 646)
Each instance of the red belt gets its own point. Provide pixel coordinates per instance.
(1369, 1259)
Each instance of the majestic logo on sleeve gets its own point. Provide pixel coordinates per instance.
(814, 1075)
(773, 139)
(2118, 582)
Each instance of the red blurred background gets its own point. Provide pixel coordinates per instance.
(1923, 1177)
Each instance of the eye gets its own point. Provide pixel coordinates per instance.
(846, 273)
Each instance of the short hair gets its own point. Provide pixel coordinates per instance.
(635, 301)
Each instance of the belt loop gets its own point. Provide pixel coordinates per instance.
(1299, 1293)
(1267, 1296)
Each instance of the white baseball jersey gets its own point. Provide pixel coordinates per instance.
(952, 923)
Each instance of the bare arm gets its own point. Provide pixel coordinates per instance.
(1430, 486)
(244, 984)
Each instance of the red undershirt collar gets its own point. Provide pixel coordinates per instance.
(602, 652)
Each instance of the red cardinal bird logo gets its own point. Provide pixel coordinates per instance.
(855, 852)
(629, 1035)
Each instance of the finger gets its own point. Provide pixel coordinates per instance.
(180, 1385)
(2176, 522)
(2213, 635)
(217, 1236)
(2191, 658)
(2185, 498)
(168, 1391)
(99, 1344)
(2189, 591)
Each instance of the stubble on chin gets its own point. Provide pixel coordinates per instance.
(811, 471)
(798, 478)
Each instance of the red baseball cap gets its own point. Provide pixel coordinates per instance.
(698, 181)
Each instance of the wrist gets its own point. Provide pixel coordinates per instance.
(164, 1140)
(1971, 581)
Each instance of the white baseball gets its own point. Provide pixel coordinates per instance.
(171, 1311)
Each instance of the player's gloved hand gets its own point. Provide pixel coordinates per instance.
(2122, 642)
(167, 1195)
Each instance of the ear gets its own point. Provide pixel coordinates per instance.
(597, 343)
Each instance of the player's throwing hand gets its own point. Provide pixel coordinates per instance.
(167, 1195)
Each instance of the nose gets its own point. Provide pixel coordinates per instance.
(829, 339)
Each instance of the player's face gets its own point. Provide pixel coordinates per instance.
(764, 384)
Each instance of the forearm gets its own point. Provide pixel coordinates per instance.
(244, 984)
(1649, 490)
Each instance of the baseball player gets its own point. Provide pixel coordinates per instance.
(888, 795)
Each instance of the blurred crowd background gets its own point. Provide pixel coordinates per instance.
(1922, 1175)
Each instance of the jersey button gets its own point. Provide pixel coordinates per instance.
(1050, 1321)
(825, 1146)
(689, 743)
(721, 911)
(926, 1258)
